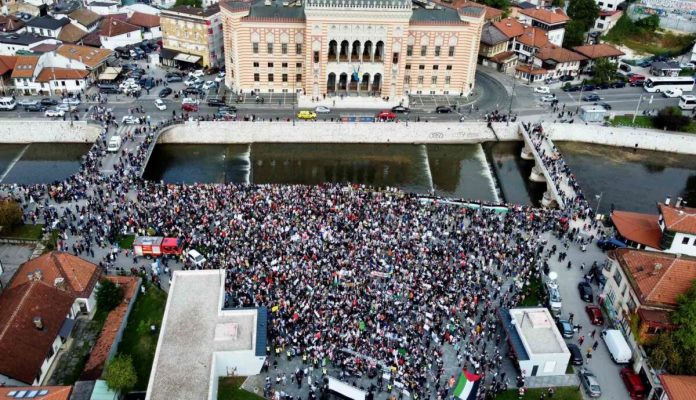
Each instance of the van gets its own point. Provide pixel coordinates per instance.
(687, 102)
(617, 346)
(7, 103)
(114, 144)
(108, 89)
(633, 384)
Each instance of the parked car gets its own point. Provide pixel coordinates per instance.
(306, 114)
(130, 120)
(225, 115)
(575, 354)
(53, 113)
(197, 73)
(542, 89)
(193, 90)
(220, 77)
(215, 102)
(548, 98)
(159, 104)
(400, 109)
(49, 102)
(595, 314)
(322, 109)
(688, 65)
(610, 244)
(386, 116)
(192, 81)
(672, 93)
(174, 78)
(588, 87)
(209, 85)
(189, 107)
(35, 108)
(591, 97)
(603, 86)
(571, 88)
(566, 78)
(624, 67)
(165, 92)
(109, 89)
(73, 101)
(633, 384)
(188, 100)
(566, 328)
(636, 80)
(589, 382)
(66, 107)
(605, 105)
(443, 109)
(27, 102)
(618, 84)
(585, 291)
(227, 108)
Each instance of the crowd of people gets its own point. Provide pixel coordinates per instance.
(382, 288)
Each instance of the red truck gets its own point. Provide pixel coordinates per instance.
(156, 246)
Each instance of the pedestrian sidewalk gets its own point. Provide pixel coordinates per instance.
(351, 102)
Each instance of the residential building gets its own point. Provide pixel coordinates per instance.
(552, 21)
(609, 5)
(104, 7)
(63, 270)
(493, 50)
(46, 26)
(36, 392)
(558, 61)
(637, 230)
(115, 33)
(71, 34)
(678, 387)
(232, 341)
(85, 19)
(331, 47)
(7, 64)
(606, 20)
(34, 324)
(192, 37)
(92, 60)
(150, 24)
(10, 23)
(594, 52)
(534, 341)
(24, 42)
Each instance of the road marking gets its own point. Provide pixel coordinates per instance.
(14, 161)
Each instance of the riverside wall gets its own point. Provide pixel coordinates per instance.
(44, 131)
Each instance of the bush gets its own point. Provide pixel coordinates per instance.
(650, 23)
(109, 295)
(10, 213)
(120, 375)
(671, 118)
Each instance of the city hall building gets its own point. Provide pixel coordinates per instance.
(385, 48)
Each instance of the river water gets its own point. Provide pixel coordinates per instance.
(40, 162)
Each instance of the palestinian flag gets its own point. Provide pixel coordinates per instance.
(467, 386)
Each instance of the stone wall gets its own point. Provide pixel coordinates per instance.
(334, 132)
(47, 131)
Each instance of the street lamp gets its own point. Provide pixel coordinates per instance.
(637, 107)
(598, 197)
(514, 81)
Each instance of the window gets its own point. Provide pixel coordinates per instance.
(270, 65)
(284, 77)
(450, 52)
(256, 78)
(449, 68)
(407, 79)
(424, 51)
(50, 353)
(408, 67)
(631, 305)
(255, 48)
(298, 48)
(421, 67)
(256, 64)
(436, 67)
(298, 77)
(284, 48)
(420, 80)
(437, 51)
(270, 77)
(617, 276)
(409, 50)
(316, 56)
(269, 48)
(685, 240)
(298, 65)
(447, 80)
(395, 58)
(433, 80)
(284, 65)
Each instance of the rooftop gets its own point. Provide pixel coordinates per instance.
(36, 392)
(7, 64)
(71, 33)
(510, 27)
(89, 56)
(490, 35)
(551, 17)
(24, 38)
(144, 20)
(10, 23)
(594, 51)
(47, 22)
(85, 16)
(657, 278)
(534, 37)
(491, 13)
(196, 333)
(59, 269)
(638, 227)
(558, 54)
(24, 68)
(537, 330)
(679, 387)
(678, 219)
(194, 11)
(48, 74)
(111, 27)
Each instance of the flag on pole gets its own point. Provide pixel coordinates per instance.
(467, 386)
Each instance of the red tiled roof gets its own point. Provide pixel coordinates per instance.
(638, 227)
(24, 347)
(661, 317)
(510, 27)
(101, 349)
(114, 27)
(79, 276)
(89, 56)
(558, 54)
(71, 33)
(144, 20)
(593, 51)
(92, 40)
(679, 387)
(491, 12)
(51, 74)
(54, 392)
(551, 17)
(7, 63)
(534, 37)
(682, 219)
(24, 67)
(534, 71)
(504, 56)
(657, 278)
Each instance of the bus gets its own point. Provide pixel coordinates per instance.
(687, 102)
(662, 83)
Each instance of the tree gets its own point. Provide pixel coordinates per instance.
(583, 11)
(650, 23)
(604, 70)
(10, 213)
(192, 3)
(558, 3)
(574, 34)
(109, 295)
(671, 118)
(499, 4)
(685, 317)
(119, 374)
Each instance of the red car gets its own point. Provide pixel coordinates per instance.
(386, 116)
(595, 314)
(633, 383)
(189, 107)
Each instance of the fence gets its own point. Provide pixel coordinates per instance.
(679, 19)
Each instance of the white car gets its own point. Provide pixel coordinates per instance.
(542, 89)
(160, 105)
(548, 98)
(192, 81)
(73, 101)
(66, 108)
(132, 88)
(688, 65)
(27, 102)
(130, 120)
(209, 85)
(54, 113)
(195, 258)
(220, 77)
(322, 110)
(189, 100)
(673, 92)
(197, 73)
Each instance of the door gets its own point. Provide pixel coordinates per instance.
(535, 369)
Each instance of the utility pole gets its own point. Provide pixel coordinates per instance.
(637, 107)
(599, 201)
(512, 95)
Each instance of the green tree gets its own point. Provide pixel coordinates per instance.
(192, 3)
(604, 70)
(671, 118)
(583, 11)
(558, 3)
(666, 353)
(499, 4)
(10, 213)
(685, 317)
(109, 295)
(119, 374)
(574, 34)
(650, 23)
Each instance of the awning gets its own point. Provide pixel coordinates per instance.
(110, 73)
(187, 58)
